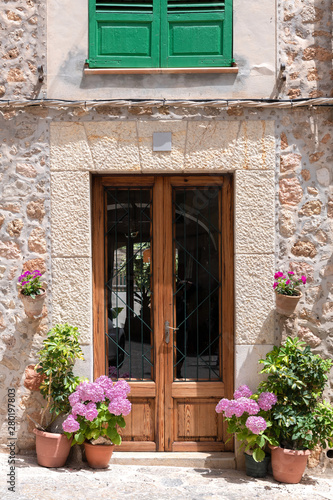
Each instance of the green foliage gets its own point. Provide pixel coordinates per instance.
(298, 378)
(253, 442)
(56, 362)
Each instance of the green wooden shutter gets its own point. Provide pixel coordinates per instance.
(124, 33)
(196, 33)
(160, 33)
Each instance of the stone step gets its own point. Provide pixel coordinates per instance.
(198, 460)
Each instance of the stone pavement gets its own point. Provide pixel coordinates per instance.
(140, 482)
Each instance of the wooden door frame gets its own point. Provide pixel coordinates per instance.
(161, 206)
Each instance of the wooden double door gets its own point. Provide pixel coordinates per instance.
(163, 304)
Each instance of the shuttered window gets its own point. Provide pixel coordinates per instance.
(160, 33)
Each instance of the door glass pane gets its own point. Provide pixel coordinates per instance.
(129, 339)
(197, 287)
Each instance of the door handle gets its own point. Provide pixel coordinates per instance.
(167, 329)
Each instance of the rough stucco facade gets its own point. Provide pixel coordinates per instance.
(281, 160)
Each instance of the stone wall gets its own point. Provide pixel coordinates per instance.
(22, 48)
(305, 47)
(24, 245)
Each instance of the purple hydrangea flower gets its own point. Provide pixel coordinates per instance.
(91, 411)
(74, 398)
(256, 424)
(79, 409)
(70, 424)
(243, 391)
(267, 400)
(119, 406)
(222, 405)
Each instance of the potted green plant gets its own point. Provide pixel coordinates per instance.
(32, 293)
(248, 417)
(287, 293)
(55, 371)
(301, 419)
(98, 409)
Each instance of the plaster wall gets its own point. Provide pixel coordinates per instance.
(67, 37)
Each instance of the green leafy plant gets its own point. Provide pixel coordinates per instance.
(56, 362)
(248, 417)
(288, 285)
(300, 419)
(29, 283)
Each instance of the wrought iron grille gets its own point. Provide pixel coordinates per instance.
(129, 295)
(197, 283)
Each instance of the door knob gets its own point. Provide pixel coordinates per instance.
(167, 329)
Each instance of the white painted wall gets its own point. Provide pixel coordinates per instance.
(254, 52)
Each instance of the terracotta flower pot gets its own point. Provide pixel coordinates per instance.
(98, 455)
(52, 449)
(33, 307)
(286, 304)
(288, 465)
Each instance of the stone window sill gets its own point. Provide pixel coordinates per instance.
(158, 71)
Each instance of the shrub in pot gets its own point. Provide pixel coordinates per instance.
(55, 367)
(301, 419)
(98, 410)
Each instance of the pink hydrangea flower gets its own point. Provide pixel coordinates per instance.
(303, 278)
(91, 412)
(256, 424)
(79, 409)
(119, 406)
(222, 405)
(90, 391)
(70, 424)
(74, 398)
(267, 400)
(243, 391)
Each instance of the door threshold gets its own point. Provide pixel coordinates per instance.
(197, 460)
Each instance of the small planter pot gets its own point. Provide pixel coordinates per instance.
(288, 465)
(286, 304)
(33, 307)
(256, 469)
(98, 455)
(52, 449)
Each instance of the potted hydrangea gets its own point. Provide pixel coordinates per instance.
(248, 417)
(98, 408)
(32, 293)
(287, 291)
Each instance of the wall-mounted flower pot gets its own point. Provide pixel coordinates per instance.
(52, 449)
(286, 304)
(288, 465)
(33, 307)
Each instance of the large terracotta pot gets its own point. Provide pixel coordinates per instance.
(98, 455)
(288, 465)
(52, 449)
(286, 304)
(33, 307)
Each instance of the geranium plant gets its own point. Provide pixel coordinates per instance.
(98, 408)
(287, 284)
(30, 284)
(248, 417)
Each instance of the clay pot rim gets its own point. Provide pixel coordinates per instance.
(290, 296)
(104, 444)
(29, 296)
(51, 435)
(287, 451)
